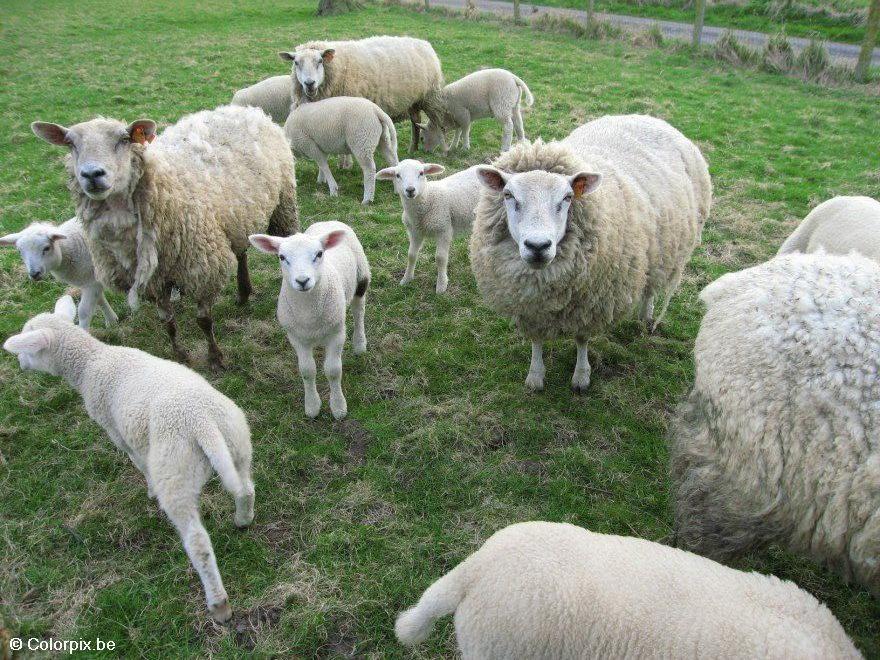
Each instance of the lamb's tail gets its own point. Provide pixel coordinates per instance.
(526, 92)
(414, 625)
(389, 134)
(216, 450)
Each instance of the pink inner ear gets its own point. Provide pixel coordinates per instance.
(332, 239)
(265, 243)
(492, 179)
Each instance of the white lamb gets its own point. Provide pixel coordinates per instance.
(343, 125)
(63, 251)
(173, 425)
(488, 93)
(540, 590)
(272, 96)
(324, 271)
(437, 209)
(839, 226)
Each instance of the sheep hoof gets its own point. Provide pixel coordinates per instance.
(313, 410)
(244, 522)
(580, 386)
(221, 612)
(339, 410)
(441, 288)
(360, 348)
(405, 281)
(535, 383)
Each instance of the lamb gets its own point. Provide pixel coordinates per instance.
(343, 125)
(779, 440)
(399, 74)
(176, 211)
(63, 251)
(436, 209)
(839, 226)
(323, 271)
(271, 95)
(561, 254)
(488, 93)
(173, 425)
(553, 590)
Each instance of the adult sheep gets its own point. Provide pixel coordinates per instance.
(779, 440)
(399, 74)
(573, 235)
(839, 225)
(175, 211)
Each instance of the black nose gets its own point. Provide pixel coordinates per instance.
(302, 281)
(36, 275)
(538, 248)
(410, 191)
(310, 84)
(92, 172)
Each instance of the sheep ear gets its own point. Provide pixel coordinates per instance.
(387, 173)
(492, 177)
(9, 239)
(66, 308)
(142, 131)
(265, 243)
(328, 55)
(56, 236)
(583, 183)
(287, 56)
(433, 168)
(333, 239)
(32, 341)
(52, 133)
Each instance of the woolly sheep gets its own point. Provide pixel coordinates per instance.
(489, 93)
(343, 125)
(436, 209)
(553, 590)
(63, 251)
(399, 74)
(176, 212)
(323, 271)
(170, 422)
(779, 440)
(272, 96)
(839, 226)
(562, 255)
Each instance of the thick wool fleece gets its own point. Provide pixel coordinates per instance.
(625, 242)
(540, 590)
(779, 440)
(271, 95)
(839, 226)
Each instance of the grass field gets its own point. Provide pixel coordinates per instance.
(443, 445)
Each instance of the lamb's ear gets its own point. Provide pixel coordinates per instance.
(583, 183)
(56, 236)
(65, 308)
(433, 168)
(9, 239)
(142, 131)
(287, 56)
(32, 341)
(52, 133)
(328, 55)
(387, 173)
(492, 177)
(332, 239)
(265, 243)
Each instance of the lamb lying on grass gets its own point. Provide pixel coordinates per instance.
(173, 425)
(323, 271)
(547, 590)
(63, 251)
(435, 209)
(839, 226)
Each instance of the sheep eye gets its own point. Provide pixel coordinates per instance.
(508, 194)
(421, 174)
(567, 198)
(397, 175)
(282, 257)
(319, 254)
(46, 249)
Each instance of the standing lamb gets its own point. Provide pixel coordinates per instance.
(271, 95)
(323, 271)
(175, 427)
(175, 212)
(437, 209)
(399, 74)
(561, 261)
(779, 440)
(343, 125)
(488, 93)
(839, 226)
(551, 590)
(63, 251)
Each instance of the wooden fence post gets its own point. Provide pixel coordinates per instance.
(700, 6)
(871, 30)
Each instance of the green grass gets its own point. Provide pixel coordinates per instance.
(443, 445)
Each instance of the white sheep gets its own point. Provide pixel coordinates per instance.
(839, 226)
(272, 95)
(170, 422)
(343, 125)
(562, 255)
(488, 93)
(551, 590)
(436, 209)
(323, 271)
(401, 75)
(63, 251)
(779, 440)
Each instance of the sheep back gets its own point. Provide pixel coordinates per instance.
(272, 95)
(839, 226)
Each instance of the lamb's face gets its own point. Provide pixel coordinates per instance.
(410, 176)
(100, 151)
(433, 136)
(33, 345)
(39, 248)
(301, 256)
(308, 68)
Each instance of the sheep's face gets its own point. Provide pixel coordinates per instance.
(33, 345)
(537, 205)
(39, 248)
(308, 68)
(410, 176)
(100, 151)
(434, 137)
(301, 256)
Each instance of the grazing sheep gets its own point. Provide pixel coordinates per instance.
(561, 261)
(839, 226)
(552, 590)
(271, 95)
(175, 212)
(343, 125)
(399, 74)
(323, 271)
(437, 209)
(779, 440)
(63, 251)
(489, 93)
(173, 425)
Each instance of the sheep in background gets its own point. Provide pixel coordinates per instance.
(63, 251)
(173, 425)
(779, 440)
(175, 211)
(561, 254)
(553, 590)
(343, 125)
(323, 271)
(272, 96)
(488, 93)
(437, 209)
(839, 226)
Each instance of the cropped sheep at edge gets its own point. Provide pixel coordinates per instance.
(839, 226)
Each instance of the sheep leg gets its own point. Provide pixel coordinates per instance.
(416, 130)
(141, 465)
(466, 136)
(244, 501)
(206, 323)
(345, 162)
(442, 259)
(358, 307)
(368, 167)
(333, 372)
(324, 168)
(580, 380)
(110, 317)
(506, 133)
(518, 123)
(535, 379)
(86, 308)
(243, 278)
(307, 371)
(166, 315)
(415, 244)
(648, 311)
